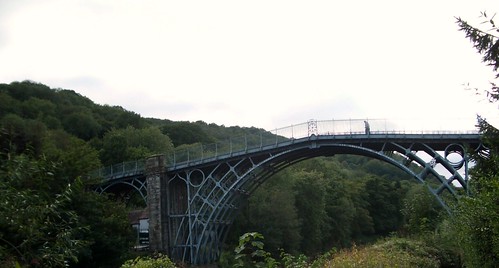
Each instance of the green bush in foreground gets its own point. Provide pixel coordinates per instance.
(390, 252)
(393, 252)
(158, 261)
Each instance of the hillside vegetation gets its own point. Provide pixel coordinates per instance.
(49, 140)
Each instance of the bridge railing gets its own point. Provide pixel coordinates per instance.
(200, 152)
(119, 170)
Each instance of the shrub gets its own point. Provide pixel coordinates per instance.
(157, 261)
(393, 252)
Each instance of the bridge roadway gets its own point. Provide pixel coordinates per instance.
(193, 195)
(375, 141)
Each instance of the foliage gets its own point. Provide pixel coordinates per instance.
(272, 211)
(389, 252)
(50, 222)
(393, 252)
(185, 133)
(82, 124)
(120, 145)
(385, 200)
(340, 209)
(291, 261)
(18, 134)
(157, 261)
(37, 228)
(443, 238)
(311, 203)
(477, 216)
(110, 235)
(62, 222)
(487, 44)
(249, 252)
(75, 156)
(421, 210)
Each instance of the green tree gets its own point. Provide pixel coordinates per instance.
(109, 236)
(49, 222)
(7, 103)
(37, 108)
(362, 224)
(157, 261)
(36, 227)
(477, 216)
(128, 144)
(421, 210)
(385, 202)
(82, 125)
(311, 203)
(341, 211)
(185, 133)
(18, 134)
(26, 89)
(274, 214)
(75, 157)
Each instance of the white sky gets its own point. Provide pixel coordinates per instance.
(254, 63)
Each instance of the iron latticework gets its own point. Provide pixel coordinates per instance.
(205, 193)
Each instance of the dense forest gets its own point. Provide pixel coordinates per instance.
(322, 210)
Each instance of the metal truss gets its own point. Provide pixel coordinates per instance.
(203, 199)
(126, 187)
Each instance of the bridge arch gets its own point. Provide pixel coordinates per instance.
(216, 190)
(137, 185)
(196, 194)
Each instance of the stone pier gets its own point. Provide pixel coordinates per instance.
(157, 189)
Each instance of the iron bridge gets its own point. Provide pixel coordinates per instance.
(193, 195)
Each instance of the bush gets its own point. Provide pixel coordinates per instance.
(393, 252)
(157, 261)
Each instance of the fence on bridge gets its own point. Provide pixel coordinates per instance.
(197, 152)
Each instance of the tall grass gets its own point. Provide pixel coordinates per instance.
(392, 252)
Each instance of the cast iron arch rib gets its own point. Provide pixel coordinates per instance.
(203, 196)
(136, 183)
(228, 185)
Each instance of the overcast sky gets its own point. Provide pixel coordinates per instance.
(266, 64)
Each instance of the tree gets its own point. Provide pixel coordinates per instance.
(82, 125)
(311, 202)
(50, 222)
(18, 134)
(75, 157)
(272, 212)
(185, 133)
(477, 216)
(384, 204)
(109, 236)
(341, 211)
(8, 104)
(36, 227)
(421, 210)
(37, 108)
(120, 145)
(487, 44)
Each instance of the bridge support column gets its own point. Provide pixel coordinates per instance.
(157, 189)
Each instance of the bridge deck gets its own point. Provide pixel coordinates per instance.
(206, 155)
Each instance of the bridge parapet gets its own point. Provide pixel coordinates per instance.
(197, 153)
